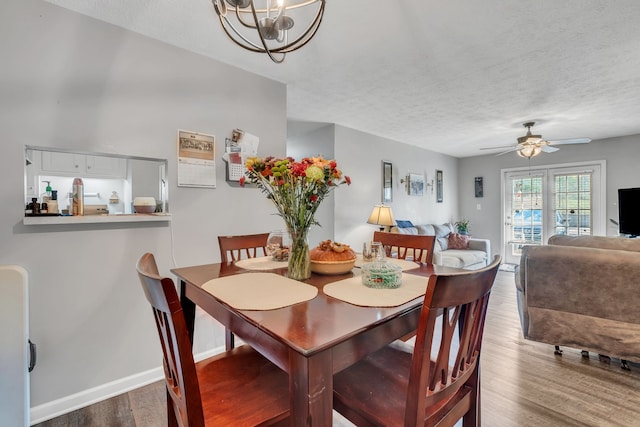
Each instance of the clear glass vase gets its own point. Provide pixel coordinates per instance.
(299, 261)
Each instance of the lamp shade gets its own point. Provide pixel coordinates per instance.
(381, 215)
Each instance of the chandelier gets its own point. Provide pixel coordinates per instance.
(267, 26)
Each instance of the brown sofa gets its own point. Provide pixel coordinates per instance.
(582, 292)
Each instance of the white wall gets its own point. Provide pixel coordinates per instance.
(69, 81)
(621, 155)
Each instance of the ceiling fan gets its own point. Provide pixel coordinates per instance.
(531, 145)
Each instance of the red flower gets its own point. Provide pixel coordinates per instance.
(314, 198)
(299, 168)
(242, 180)
(347, 180)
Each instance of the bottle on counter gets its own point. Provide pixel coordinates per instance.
(35, 206)
(46, 196)
(78, 197)
(53, 203)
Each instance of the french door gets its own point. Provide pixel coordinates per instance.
(558, 199)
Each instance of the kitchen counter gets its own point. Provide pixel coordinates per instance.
(95, 219)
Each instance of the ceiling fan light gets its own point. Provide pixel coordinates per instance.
(529, 151)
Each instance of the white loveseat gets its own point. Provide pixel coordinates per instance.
(477, 255)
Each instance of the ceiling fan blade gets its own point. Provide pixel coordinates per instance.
(495, 148)
(570, 141)
(549, 149)
(510, 150)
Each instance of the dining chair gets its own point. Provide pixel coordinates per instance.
(234, 248)
(418, 247)
(237, 387)
(435, 382)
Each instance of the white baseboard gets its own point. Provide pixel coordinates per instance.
(62, 406)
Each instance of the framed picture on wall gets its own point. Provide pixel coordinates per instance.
(387, 182)
(479, 188)
(416, 184)
(439, 186)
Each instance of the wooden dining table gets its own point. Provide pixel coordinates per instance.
(310, 340)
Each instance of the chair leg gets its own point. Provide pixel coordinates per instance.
(229, 340)
(472, 417)
(604, 358)
(624, 364)
(172, 417)
(558, 351)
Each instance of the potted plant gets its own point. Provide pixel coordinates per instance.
(462, 226)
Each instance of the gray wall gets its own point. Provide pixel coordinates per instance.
(621, 155)
(69, 81)
(360, 156)
(309, 140)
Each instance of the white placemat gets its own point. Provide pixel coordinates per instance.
(354, 292)
(261, 263)
(403, 263)
(259, 291)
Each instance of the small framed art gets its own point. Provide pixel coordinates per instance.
(439, 186)
(479, 189)
(416, 184)
(387, 182)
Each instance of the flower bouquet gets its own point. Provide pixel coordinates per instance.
(296, 189)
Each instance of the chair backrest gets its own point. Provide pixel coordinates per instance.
(233, 248)
(179, 367)
(420, 247)
(461, 300)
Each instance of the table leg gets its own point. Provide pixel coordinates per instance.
(311, 388)
(188, 309)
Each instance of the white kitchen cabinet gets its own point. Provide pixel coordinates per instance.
(72, 164)
(106, 166)
(67, 163)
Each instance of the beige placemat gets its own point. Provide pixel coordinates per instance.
(259, 291)
(354, 292)
(261, 263)
(403, 263)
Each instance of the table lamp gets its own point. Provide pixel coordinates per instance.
(382, 216)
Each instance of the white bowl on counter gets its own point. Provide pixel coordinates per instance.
(144, 204)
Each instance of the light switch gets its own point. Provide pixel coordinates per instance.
(478, 206)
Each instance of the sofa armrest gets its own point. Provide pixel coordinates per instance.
(481, 245)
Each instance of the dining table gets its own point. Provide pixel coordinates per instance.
(312, 339)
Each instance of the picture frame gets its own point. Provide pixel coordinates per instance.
(479, 187)
(416, 184)
(387, 182)
(439, 191)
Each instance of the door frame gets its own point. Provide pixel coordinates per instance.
(599, 200)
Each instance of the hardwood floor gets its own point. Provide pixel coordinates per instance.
(523, 384)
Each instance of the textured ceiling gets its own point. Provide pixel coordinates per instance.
(450, 76)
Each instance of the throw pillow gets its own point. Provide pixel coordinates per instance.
(442, 233)
(458, 241)
(443, 242)
(403, 224)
